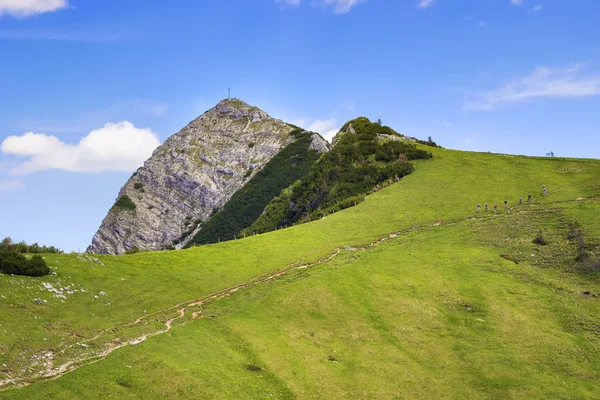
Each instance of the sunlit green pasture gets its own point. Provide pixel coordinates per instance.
(435, 312)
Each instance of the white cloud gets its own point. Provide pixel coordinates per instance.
(542, 83)
(11, 186)
(322, 126)
(536, 8)
(329, 135)
(328, 128)
(288, 2)
(301, 122)
(482, 23)
(339, 6)
(423, 4)
(27, 8)
(114, 147)
(426, 3)
(343, 6)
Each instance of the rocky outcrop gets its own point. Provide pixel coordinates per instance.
(189, 177)
(319, 144)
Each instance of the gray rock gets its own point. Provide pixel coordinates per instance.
(192, 173)
(319, 144)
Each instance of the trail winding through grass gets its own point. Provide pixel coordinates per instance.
(181, 309)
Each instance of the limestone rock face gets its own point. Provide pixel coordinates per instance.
(193, 173)
(319, 144)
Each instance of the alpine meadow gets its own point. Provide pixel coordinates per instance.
(299, 199)
(404, 295)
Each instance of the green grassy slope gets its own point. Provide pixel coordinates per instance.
(412, 317)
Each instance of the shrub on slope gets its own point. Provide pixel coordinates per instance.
(125, 202)
(18, 264)
(365, 155)
(21, 247)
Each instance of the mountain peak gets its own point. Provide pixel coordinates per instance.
(232, 101)
(188, 177)
(239, 109)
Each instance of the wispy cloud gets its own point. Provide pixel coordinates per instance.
(426, 3)
(82, 37)
(28, 8)
(343, 6)
(11, 185)
(543, 82)
(288, 2)
(536, 8)
(339, 6)
(423, 4)
(328, 128)
(114, 147)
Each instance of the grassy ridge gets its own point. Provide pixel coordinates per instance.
(246, 205)
(360, 160)
(397, 320)
(366, 307)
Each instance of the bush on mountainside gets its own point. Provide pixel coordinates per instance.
(133, 250)
(21, 247)
(12, 260)
(18, 264)
(125, 202)
(391, 151)
(37, 267)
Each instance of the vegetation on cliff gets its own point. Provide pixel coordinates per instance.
(364, 156)
(247, 204)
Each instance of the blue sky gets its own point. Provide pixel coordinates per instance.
(89, 87)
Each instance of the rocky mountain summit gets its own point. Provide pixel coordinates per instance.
(191, 176)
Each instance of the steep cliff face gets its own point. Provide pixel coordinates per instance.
(247, 204)
(192, 175)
